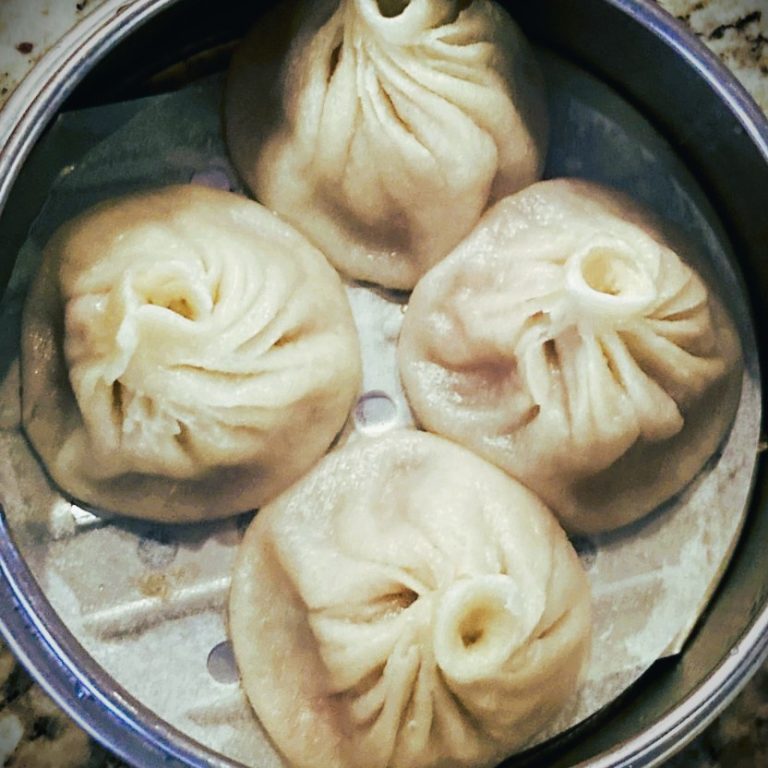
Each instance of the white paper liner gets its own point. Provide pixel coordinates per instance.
(148, 601)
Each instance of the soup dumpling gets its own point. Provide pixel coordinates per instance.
(176, 346)
(407, 604)
(568, 343)
(397, 123)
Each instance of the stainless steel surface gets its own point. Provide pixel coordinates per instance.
(32, 630)
(724, 138)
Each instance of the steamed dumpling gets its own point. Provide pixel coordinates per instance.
(176, 346)
(407, 605)
(567, 343)
(399, 121)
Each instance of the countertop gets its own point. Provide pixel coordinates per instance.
(33, 733)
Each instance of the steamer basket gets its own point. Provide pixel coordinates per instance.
(121, 51)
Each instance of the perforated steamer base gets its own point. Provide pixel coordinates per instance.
(148, 602)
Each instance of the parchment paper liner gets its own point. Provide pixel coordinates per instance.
(148, 601)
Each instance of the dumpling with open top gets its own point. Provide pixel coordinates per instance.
(390, 127)
(407, 605)
(566, 341)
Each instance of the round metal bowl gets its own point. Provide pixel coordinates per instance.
(714, 127)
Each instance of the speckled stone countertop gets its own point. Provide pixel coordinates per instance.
(34, 734)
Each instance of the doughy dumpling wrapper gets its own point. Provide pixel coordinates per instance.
(185, 355)
(399, 121)
(565, 341)
(407, 604)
